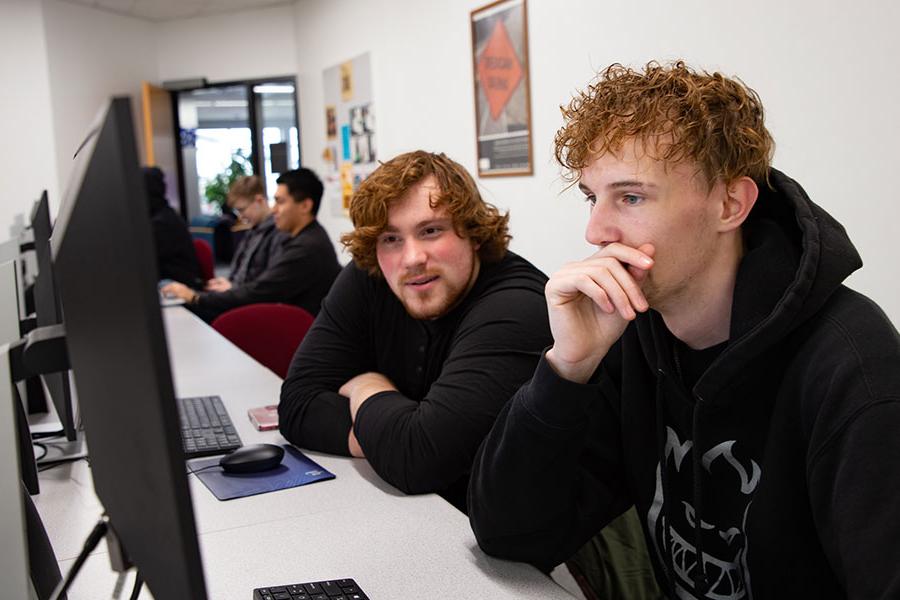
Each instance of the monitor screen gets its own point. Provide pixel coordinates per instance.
(48, 312)
(104, 265)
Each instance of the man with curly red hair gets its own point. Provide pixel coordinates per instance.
(423, 337)
(708, 366)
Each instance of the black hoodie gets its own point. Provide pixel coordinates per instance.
(795, 489)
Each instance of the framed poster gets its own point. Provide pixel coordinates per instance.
(502, 94)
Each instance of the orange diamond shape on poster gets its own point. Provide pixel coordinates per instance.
(499, 70)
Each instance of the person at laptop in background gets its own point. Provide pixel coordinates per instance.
(305, 264)
(175, 256)
(707, 365)
(260, 244)
(423, 337)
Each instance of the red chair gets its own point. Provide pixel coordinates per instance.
(270, 333)
(205, 257)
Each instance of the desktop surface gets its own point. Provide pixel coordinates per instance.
(355, 526)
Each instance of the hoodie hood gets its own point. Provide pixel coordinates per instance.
(796, 256)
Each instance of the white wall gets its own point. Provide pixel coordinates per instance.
(28, 152)
(826, 71)
(242, 45)
(91, 56)
(61, 61)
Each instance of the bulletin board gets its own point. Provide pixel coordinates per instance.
(350, 142)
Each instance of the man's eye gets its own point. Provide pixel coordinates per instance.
(631, 199)
(590, 199)
(431, 231)
(387, 240)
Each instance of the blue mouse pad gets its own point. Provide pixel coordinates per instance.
(295, 469)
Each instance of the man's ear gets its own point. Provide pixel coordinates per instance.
(740, 196)
(307, 205)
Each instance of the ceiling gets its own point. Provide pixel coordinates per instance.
(171, 10)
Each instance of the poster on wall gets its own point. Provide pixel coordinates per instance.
(350, 150)
(502, 96)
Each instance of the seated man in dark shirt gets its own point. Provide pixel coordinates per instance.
(175, 256)
(423, 337)
(260, 244)
(306, 264)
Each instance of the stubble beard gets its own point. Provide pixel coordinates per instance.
(432, 304)
(450, 295)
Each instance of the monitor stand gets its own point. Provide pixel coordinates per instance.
(59, 450)
(54, 449)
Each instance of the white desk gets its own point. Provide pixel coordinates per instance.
(358, 526)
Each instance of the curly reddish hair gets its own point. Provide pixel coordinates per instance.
(472, 217)
(677, 113)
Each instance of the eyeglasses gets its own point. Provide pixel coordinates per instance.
(241, 209)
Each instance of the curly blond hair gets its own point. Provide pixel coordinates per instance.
(678, 113)
(472, 217)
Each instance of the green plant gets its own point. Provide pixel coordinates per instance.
(216, 190)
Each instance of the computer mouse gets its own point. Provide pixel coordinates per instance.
(252, 459)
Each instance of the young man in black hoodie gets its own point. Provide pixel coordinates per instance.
(708, 366)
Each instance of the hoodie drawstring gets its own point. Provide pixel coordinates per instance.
(701, 578)
(663, 475)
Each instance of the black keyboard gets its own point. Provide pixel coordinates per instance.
(206, 428)
(337, 589)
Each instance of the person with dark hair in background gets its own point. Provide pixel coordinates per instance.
(423, 337)
(260, 244)
(708, 365)
(305, 265)
(175, 256)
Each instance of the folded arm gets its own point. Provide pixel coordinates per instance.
(427, 444)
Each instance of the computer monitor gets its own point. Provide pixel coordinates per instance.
(105, 271)
(20, 248)
(14, 558)
(48, 312)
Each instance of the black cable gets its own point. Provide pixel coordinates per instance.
(215, 466)
(42, 447)
(138, 584)
(89, 544)
(56, 463)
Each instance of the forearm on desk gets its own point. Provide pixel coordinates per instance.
(319, 422)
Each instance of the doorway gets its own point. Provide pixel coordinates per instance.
(232, 129)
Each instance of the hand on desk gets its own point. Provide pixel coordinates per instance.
(218, 284)
(179, 290)
(364, 386)
(358, 390)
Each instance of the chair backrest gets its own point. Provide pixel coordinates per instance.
(270, 333)
(205, 258)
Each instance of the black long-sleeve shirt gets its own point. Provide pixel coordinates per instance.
(258, 249)
(175, 255)
(453, 374)
(301, 274)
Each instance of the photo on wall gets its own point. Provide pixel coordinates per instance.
(502, 94)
